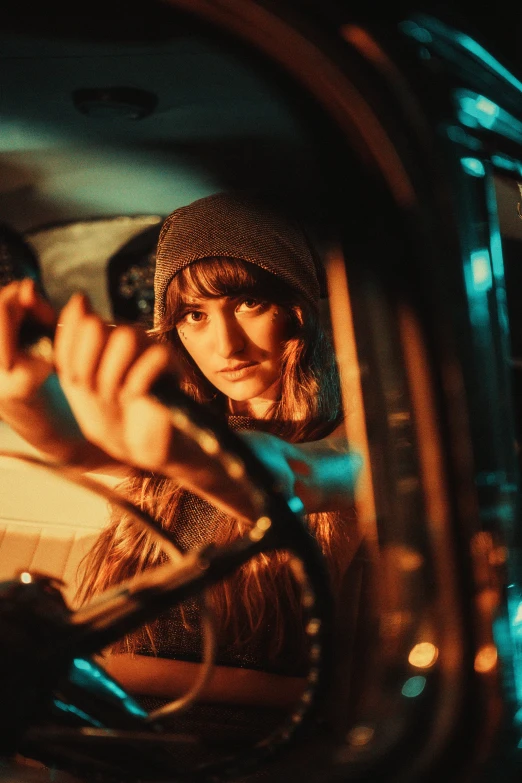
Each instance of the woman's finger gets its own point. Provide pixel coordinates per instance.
(67, 334)
(11, 314)
(90, 347)
(123, 348)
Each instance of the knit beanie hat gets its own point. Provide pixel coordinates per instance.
(228, 226)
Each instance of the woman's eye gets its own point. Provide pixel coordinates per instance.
(191, 317)
(249, 304)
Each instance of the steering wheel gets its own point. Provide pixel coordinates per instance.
(60, 706)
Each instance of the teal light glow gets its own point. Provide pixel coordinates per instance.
(478, 278)
(82, 664)
(508, 164)
(481, 270)
(416, 31)
(92, 677)
(458, 134)
(413, 687)
(473, 167)
(516, 618)
(296, 505)
(514, 605)
(18, 135)
(497, 259)
(426, 28)
(91, 671)
(476, 110)
(478, 51)
(70, 708)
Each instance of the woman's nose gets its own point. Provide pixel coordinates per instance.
(229, 336)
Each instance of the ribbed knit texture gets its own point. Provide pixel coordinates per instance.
(197, 524)
(227, 226)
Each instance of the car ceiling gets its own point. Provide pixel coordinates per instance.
(220, 119)
(223, 116)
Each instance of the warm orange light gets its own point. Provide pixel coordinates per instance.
(408, 559)
(498, 556)
(360, 736)
(486, 658)
(423, 655)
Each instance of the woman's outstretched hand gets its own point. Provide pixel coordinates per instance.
(106, 373)
(322, 474)
(97, 414)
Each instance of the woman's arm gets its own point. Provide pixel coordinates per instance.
(168, 679)
(108, 414)
(60, 405)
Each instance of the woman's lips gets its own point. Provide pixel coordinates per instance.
(238, 371)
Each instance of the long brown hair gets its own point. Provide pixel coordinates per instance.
(309, 409)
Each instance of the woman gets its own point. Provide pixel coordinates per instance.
(237, 319)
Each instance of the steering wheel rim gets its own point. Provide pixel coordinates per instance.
(279, 522)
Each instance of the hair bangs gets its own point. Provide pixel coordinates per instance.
(216, 277)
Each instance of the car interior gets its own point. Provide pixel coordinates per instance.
(395, 137)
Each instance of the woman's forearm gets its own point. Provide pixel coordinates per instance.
(170, 679)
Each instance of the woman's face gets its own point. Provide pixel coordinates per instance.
(237, 343)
